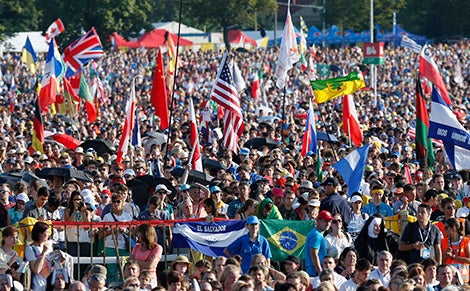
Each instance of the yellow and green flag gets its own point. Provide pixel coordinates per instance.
(286, 237)
(325, 90)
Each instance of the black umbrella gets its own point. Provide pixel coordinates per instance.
(10, 178)
(200, 177)
(143, 186)
(67, 173)
(100, 146)
(326, 137)
(211, 164)
(258, 142)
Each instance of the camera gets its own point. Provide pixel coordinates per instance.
(81, 204)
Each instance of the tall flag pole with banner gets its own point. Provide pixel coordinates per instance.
(411, 44)
(326, 90)
(351, 168)
(53, 73)
(424, 148)
(428, 68)
(81, 51)
(309, 141)
(29, 57)
(128, 124)
(38, 129)
(225, 94)
(303, 44)
(288, 52)
(350, 121)
(56, 28)
(12, 94)
(158, 95)
(443, 125)
(196, 159)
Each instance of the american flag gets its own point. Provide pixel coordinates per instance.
(82, 51)
(225, 94)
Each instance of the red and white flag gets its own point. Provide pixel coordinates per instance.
(225, 94)
(54, 29)
(255, 87)
(428, 68)
(350, 121)
(196, 159)
(128, 125)
(53, 73)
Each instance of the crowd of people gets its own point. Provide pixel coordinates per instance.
(399, 232)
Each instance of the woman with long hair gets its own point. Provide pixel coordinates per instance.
(147, 252)
(337, 239)
(248, 209)
(9, 259)
(371, 240)
(229, 276)
(456, 248)
(37, 255)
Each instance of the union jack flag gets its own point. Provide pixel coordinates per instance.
(82, 51)
(225, 94)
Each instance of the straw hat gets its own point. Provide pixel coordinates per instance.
(181, 259)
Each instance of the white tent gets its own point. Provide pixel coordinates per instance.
(193, 34)
(16, 42)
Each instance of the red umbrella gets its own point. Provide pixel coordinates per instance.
(66, 140)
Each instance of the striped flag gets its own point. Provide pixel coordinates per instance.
(411, 44)
(128, 124)
(225, 94)
(54, 29)
(424, 148)
(53, 73)
(29, 57)
(309, 141)
(196, 159)
(428, 68)
(38, 129)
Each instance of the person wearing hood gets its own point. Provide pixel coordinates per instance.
(371, 240)
(267, 210)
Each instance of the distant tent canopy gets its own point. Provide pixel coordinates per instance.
(239, 38)
(152, 39)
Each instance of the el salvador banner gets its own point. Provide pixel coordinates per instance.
(208, 238)
(351, 168)
(443, 125)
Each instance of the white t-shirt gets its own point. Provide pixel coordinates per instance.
(109, 242)
(383, 279)
(348, 286)
(39, 281)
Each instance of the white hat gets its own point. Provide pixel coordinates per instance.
(87, 193)
(314, 202)
(162, 187)
(355, 198)
(129, 172)
(28, 160)
(22, 197)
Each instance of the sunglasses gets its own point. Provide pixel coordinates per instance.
(161, 192)
(104, 197)
(4, 191)
(337, 221)
(119, 169)
(450, 207)
(117, 201)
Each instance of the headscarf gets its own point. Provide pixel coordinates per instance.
(273, 213)
(370, 230)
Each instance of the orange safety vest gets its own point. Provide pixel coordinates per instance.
(459, 251)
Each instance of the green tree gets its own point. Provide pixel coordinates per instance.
(18, 16)
(217, 14)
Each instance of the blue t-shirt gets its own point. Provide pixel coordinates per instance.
(233, 208)
(383, 209)
(244, 247)
(315, 240)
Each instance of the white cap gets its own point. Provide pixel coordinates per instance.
(314, 202)
(162, 187)
(129, 172)
(87, 193)
(22, 197)
(356, 198)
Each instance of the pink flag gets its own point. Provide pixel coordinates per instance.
(350, 121)
(196, 161)
(54, 29)
(428, 68)
(128, 125)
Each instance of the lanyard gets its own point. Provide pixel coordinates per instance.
(427, 235)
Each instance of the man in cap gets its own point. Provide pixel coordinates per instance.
(292, 264)
(316, 244)
(334, 203)
(79, 158)
(254, 242)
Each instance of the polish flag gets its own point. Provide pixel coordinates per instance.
(128, 125)
(351, 121)
(428, 68)
(196, 160)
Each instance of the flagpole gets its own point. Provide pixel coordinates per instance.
(328, 137)
(165, 158)
(283, 110)
(349, 133)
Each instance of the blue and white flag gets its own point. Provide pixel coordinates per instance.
(351, 168)
(443, 125)
(207, 237)
(406, 41)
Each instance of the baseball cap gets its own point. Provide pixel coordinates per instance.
(129, 172)
(330, 181)
(99, 269)
(22, 197)
(90, 201)
(79, 150)
(277, 192)
(252, 220)
(184, 187)
(355, 198)
(314, 203)
(215, 189)
(325, 215)
(244, 152)
(307, 185)
(162, 187)
(293, 259)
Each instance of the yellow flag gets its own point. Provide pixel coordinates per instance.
(325, 90)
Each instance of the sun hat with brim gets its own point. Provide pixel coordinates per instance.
(252, 220)
(325, 215)
(182, 259)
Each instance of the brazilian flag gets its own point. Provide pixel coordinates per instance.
(286, 237)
